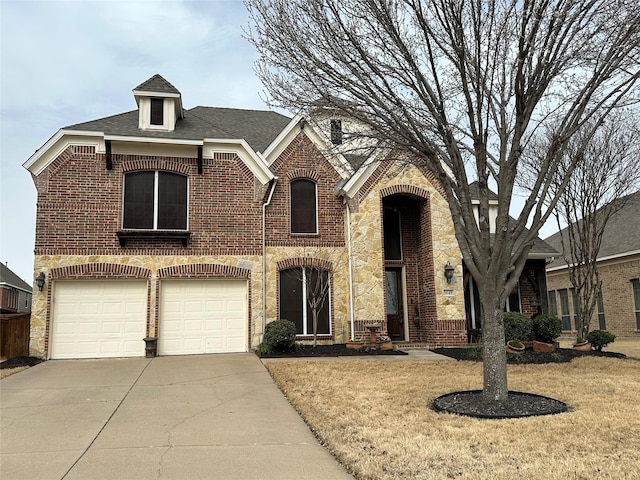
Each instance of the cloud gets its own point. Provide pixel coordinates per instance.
(65, 62)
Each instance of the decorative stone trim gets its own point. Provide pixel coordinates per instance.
(404, 189)
(204, 270)
(303, 173)
(170, 165)
(304, 262)
(99, 271)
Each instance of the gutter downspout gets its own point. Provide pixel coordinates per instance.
(350, 264)
(264, 255)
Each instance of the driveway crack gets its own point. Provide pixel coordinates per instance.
(107, 421)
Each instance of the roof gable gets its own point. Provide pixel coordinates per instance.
(621, 235)
(157, 84)
(10, 278)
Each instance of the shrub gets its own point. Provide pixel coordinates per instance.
(600, 339)
(516, 327)
(279, 336)
(546, 328)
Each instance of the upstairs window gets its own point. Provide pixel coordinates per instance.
(303, 206)
(336, 132)
(157, 111)
(155, 201)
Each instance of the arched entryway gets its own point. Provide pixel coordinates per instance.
(408, 264)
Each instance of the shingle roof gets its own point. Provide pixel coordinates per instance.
(258, 127)
(157, 84)
(475, 192)
(7, 276)
(621, 235)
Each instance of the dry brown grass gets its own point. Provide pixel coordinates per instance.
(375, 417)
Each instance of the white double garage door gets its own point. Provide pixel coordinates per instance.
(98, 319)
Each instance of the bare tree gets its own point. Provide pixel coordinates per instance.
(607, 171)
(317, 287)
(462, 85)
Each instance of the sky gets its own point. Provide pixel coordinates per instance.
(64, 62)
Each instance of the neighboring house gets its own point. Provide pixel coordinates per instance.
(618, 306)
(197, 227)
(15, 293)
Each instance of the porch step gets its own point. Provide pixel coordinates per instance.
(410, 345)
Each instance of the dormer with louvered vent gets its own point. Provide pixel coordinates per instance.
(159, 105)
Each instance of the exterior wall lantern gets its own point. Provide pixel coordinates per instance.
(448, 271)
(40, 279)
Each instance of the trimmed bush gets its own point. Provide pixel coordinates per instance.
(600, 339)
(279, 336)
(546, 328)
(516, 327)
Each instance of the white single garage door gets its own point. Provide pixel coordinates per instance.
(98, 319)
(202, 316)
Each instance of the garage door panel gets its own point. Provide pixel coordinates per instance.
(202, 316)
(93, 319)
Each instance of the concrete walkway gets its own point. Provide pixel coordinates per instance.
(191, 417)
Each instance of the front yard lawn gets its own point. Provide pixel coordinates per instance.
(375, 417)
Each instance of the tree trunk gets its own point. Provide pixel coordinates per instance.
(314, 317)
(494, 354)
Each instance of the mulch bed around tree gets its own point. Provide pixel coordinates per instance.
(20, 362)
(560, 355)
(518, 404)
(337, 350)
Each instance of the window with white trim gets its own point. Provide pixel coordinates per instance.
(157, 111)
(564, 309)
(602, 324)
(636, 300)
(553, 303)
(301, 289)
(154, 200)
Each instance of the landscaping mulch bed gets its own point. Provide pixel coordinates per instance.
(20, 362)
(518, 404)
(560, 355)
(337, 350)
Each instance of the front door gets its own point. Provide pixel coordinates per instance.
(394, 303)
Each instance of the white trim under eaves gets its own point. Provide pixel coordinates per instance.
(57, 144)
(619, 256)
(283, 139)
(251, 159)
(359, 178)
(167, 141)
(152, 93)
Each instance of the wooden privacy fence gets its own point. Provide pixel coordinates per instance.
(14, 335)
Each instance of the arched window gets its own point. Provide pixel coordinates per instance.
(155, 200)
(303, 206)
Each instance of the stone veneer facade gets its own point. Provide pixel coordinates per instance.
(79, 213)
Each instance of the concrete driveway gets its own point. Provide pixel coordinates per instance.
(191, 417)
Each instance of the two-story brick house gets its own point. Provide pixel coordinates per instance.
(199, 226)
